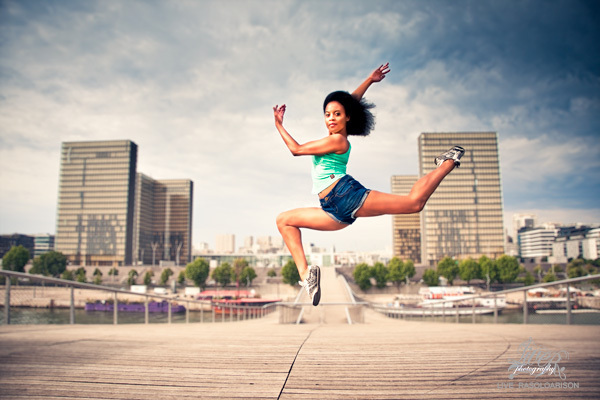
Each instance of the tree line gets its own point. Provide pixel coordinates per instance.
(54, 264)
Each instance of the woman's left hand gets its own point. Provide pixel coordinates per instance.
(379, 73)
(278, 112)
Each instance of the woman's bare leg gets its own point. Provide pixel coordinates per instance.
(378, 203)
(289, 224)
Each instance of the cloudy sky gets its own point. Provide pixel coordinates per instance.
(193, 83)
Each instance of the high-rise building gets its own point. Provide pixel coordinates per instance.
(464, 217)
(163, 220)
(109, 215)
(406, 227)
(95, 202)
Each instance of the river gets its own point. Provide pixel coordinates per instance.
(41, 316)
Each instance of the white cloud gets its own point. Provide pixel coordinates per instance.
(193, 84)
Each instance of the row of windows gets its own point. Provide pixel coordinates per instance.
(73, 213)
(76, 161)
(467, 195)
(465, 241)
(96, 190)
(471, 223)
(76, 202)
(449, 139)
(91, 197)
(95, 179)
(104, 169)
(463, 229)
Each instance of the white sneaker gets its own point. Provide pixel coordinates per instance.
(312, 284)
(455, 153)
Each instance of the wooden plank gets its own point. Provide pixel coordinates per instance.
(381, 359)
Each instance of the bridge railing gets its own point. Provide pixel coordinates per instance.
(23, 290)
(470, 305)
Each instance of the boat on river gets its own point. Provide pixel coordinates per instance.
(153, 307)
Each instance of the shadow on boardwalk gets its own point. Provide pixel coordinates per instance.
(261, 359)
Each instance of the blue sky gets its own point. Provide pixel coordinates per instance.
(193, 83)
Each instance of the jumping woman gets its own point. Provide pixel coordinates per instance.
(342, 198)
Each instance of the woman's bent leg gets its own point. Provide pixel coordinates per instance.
(378, 203)
(289, 224)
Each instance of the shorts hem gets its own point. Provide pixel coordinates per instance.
(362, 202)
(337, 220)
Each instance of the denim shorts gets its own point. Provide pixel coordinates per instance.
(344, 200)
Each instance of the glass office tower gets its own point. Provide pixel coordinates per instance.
(464, 217)
(95, 202)
(406, 227)
(163, 221)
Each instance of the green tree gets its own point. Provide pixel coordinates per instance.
(469, 269)
(148, 277)
(181, 278)
(549, 277)
(508, 268)
(575, 268)
(290, 273)
(431, 277)
(165, 275)
(489, 269)
(52, 263)
(223, 274)
(272, 273)
(529, 279)
(15, 259)
(448, 268)
(80, 275)
(113, 272)
(409, 270)
(247, 276)
(97, 277)
(238, 266)
(592, 270)
(67, 275)
(197, 271)
(396, 273)
(132, 277)
(380, 273)
(362, 276)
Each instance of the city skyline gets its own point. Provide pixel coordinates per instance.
(193, 84)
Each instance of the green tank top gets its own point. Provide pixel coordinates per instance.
(328, 168)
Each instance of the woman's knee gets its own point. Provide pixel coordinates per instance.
(282, 220)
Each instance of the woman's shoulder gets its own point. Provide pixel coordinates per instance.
(342, 141)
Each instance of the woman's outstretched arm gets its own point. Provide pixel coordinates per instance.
(376, 76)
(330, 144)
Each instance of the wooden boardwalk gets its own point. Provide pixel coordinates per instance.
(262, 359)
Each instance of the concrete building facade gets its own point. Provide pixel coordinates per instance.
(464, 217)
(406, 228)
(94, 223)
(163, 221)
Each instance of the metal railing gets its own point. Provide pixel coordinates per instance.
(228, 312)
(438, 307)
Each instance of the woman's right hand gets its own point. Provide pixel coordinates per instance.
(278, 112)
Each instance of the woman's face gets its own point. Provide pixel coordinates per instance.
(335, 117)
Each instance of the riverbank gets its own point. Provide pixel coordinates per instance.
(60, 297)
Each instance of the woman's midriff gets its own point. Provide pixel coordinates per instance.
(328, 189)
